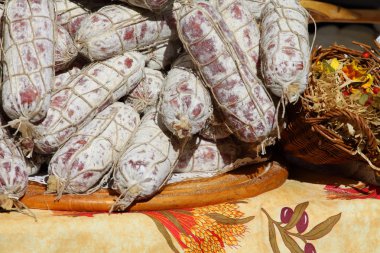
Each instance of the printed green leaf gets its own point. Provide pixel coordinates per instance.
(298, 211)
(220, 218)
(327, 67)
(272, 237)
(166, 234)
(174, 220)
(290, 243)
(184, 212)
(322, 228)
(239, 202)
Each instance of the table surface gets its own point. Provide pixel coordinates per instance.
(339, 219)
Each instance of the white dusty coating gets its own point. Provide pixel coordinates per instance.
(28, 58)
(284, 48)
(65, 49)
(115, 29)
(243, 25)
(255, 7)
(147, 92)
(13, 172)
(215, 128)
(188, 176)
(162, 56)
(152, 5)
(377, 41)
(201, 155)
(86, 160)
(64, 78)
(185, 104)
(71, 14)
(247, 107)
(97, 86)
(147, 163)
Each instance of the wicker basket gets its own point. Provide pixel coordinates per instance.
(308, 139)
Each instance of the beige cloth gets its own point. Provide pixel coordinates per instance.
(340, 219)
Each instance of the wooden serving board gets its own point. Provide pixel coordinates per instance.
(243, 183)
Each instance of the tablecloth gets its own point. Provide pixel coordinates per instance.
(319, 215)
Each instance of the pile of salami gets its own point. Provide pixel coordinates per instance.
(130, 94)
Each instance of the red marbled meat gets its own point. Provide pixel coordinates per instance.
(65, 49)
(285, 48)
(147, 163)
(13, 172)
(243, 26)
(84, 163)
(201, 155)
(185, 103)
(147, 92)
(247, 107)
(115, 29)
(89, 92)
(28, 58)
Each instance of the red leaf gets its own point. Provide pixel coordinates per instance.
(168, 224)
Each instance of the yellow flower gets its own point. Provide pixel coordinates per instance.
(355, 91)
(334, 63)
(355, 72)
(369, 82)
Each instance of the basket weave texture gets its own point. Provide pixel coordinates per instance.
(307, 136)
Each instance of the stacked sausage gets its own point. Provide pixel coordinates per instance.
(77, 77)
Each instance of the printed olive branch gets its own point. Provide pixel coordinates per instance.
(315, 233)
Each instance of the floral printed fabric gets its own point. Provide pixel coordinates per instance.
(297, 217)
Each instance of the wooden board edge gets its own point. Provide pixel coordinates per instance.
(245, 185)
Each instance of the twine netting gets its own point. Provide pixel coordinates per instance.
(284, 49)
(28, 59)
(85, 162)
(251, 94)
(121, 29)
(93, 89)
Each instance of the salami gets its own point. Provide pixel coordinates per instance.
(64, 78)
(152, 5)
(285, 49)
(96, 87)
(247, 107)
(162, 56)
(185, 103)
(115, 29)
(65, 49)
(147, 91)
(243, 25)
(70, 14)
(147, 163)
(255, 7)
(28, 58)
(201, 155)
(84, 163)
(13, 173)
